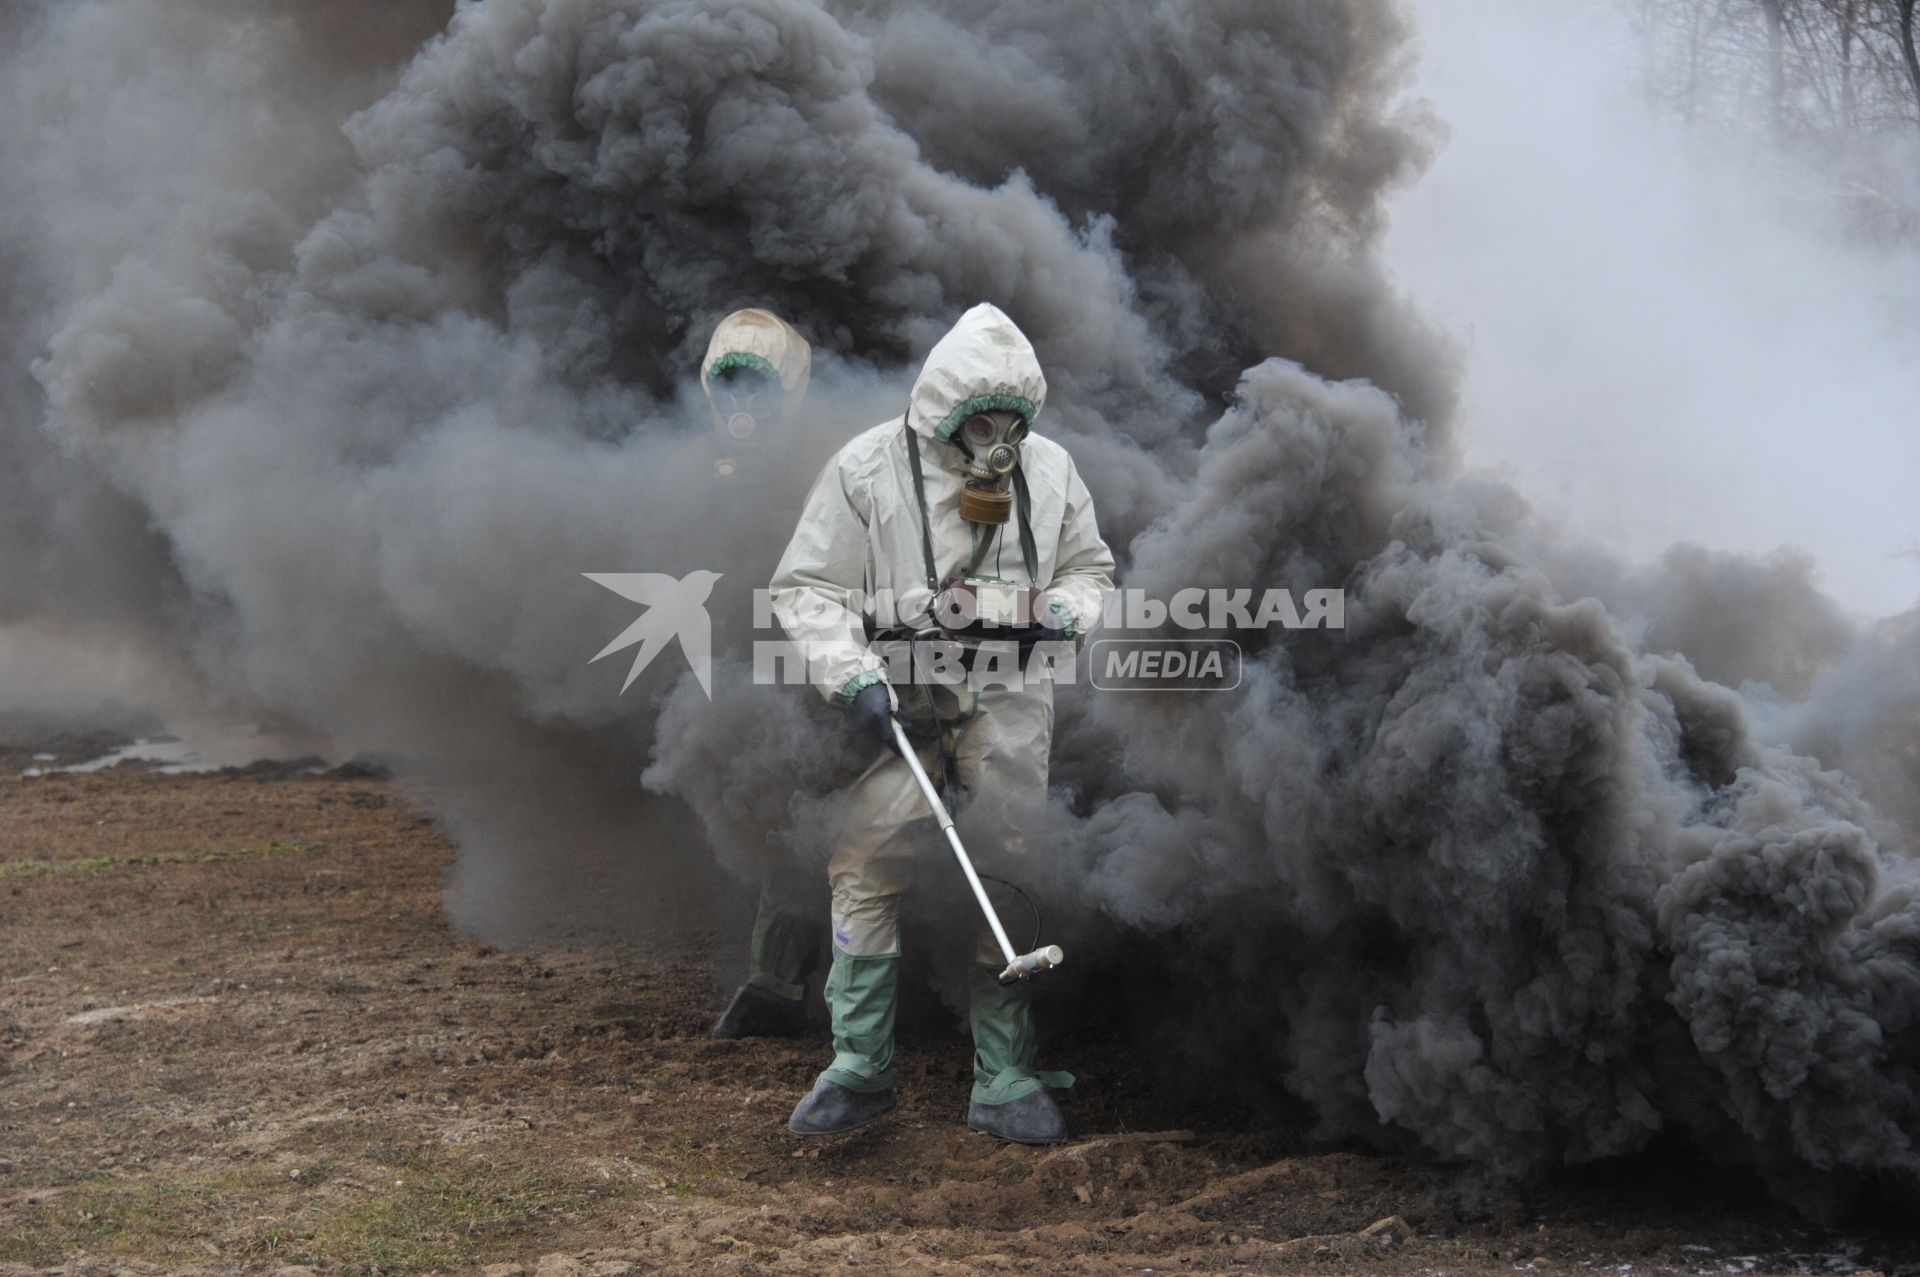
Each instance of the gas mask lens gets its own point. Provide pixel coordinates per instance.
(750, 400)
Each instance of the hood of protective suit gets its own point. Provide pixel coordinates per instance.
(759, 339)
(983, 364)
(858, 560)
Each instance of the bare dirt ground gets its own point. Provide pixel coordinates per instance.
(236, 1033)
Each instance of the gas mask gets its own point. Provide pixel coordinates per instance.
(745, 403)
(991, 443)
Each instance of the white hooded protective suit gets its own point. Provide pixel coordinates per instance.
(860, 535)
(760, 339)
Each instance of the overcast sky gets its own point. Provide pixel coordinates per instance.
(1662, 345)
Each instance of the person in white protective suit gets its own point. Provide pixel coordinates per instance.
(958, 500)
(755, 375)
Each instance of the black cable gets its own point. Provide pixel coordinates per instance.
(1032, 908)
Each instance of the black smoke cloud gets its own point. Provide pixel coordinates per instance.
(1515, 883)
(340, 339)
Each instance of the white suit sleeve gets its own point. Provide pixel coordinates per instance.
(1083, 565)
(817, 585)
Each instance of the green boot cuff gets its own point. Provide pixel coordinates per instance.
(1015, 1081)
(857, 1073)
(1004, 1043)
(861, 995)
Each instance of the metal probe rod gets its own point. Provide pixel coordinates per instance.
(953, 838)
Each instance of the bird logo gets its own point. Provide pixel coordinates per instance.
(676, 608)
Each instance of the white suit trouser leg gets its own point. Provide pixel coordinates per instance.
(999, 745)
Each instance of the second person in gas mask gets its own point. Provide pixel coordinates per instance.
(755, 376)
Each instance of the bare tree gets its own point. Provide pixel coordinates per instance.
(1803, 69)
(1776, 65)
(1907, 50)
(1849, 118)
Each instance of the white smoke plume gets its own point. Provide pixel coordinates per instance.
(1680, 329)
(339, 340)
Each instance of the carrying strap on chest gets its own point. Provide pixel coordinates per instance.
(920, 499)
(1022, 504)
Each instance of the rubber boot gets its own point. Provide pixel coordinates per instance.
(785, 945)
(755, 1013)
(1032, 1119)
(1009, 1097)
(858, 1086)
(830, 1108)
